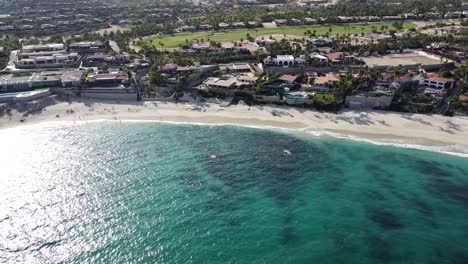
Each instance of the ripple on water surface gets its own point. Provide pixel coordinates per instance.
(142, 192)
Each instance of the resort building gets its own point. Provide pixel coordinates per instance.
(104, 59)
(40, 50)
(13, 83)
(43, 48)
(87, 47)
(53, 61)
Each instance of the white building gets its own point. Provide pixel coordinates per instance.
(285, 60)
(434, 80)
(55, 60)
(42, 48)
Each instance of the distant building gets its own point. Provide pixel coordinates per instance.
(464, 5)
(184, 29)
(410, 16)
(317, 58)
(280, 22)
(391, 18)
(99, 59)
(238, 24)
(43, 48)
(87, 47)
(289, 79)
(236, 68)
(206, 27)
(309, 21)
(345, 19)
(53, 61)
(280, 60)
(433, 15)
(223, 25)
(295, 21)
(253, 24)
(454, 15)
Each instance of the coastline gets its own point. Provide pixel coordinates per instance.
(442, 134)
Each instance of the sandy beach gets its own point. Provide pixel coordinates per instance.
(447, 134)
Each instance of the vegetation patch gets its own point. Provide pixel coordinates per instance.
(177, 40)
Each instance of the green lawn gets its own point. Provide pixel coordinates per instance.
(172, 41)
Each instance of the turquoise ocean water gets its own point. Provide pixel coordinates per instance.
(164, 193)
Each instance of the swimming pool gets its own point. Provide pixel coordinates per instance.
(24, 95)
(294, 96)
(8, 95)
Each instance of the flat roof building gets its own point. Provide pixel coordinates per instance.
(42, 47)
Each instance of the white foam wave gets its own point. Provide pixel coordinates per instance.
(460, 150)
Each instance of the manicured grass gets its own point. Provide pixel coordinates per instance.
(173, 41)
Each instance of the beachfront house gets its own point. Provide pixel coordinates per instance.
(323, 82)
(375, 99)
(110, 77)
(434, 80)
(215, 84)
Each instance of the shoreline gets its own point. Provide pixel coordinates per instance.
(441, 134)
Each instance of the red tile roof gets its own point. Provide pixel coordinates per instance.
(288, 78)
(335, 56)
(436, 77)
(329, 77)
